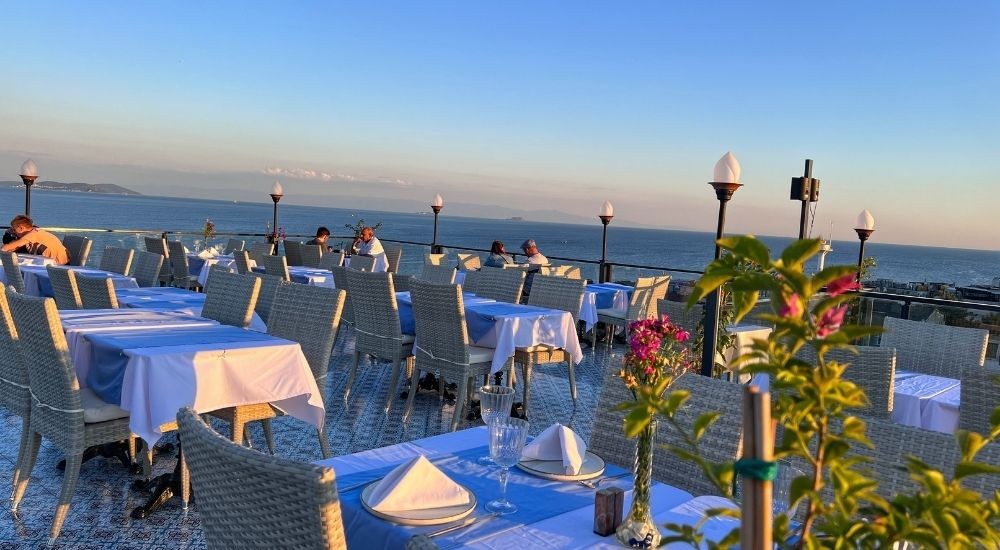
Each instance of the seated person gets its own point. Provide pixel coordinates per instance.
(9, 236)
(533, 255)
(367, 244)
(498, 256)
(321, 238)
(36, 241)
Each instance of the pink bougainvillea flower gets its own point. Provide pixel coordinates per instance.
(842, 285)
(830, 321)
(682, 335)
(791, 306)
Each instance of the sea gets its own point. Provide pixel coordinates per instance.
(690, 250)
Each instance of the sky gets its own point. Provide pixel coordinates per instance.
(524, 105)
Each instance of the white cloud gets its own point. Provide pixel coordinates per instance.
(304, 174)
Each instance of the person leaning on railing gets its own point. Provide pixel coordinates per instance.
(33, 240)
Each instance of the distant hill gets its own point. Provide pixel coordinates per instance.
(108, 188)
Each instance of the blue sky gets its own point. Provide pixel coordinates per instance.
(530, 105)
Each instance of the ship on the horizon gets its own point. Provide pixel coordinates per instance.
(516, 219)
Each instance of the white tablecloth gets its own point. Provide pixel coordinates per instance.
(745, 335)
(33, 274)
(588, 310)
(27, 259)
(913, 397)
(553, 328)
(187, 302)
(227, 262)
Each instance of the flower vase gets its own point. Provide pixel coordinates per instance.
(638, 530)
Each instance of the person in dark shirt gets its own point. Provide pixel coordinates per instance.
(322, 236)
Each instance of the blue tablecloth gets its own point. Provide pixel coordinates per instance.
(109, 360)
(606, 293)
(406, 322)
(195, 264)
(364, 530)
(45, 285)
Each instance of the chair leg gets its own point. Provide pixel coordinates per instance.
(572, 377)
(185, 481)
(131, 448)
(70, 476)
(268, 434)
(324, 444)
(21, 448)
(354, 373)
(459, 403)
(247, 438)
(393, 382)
(526, 390)
(410, 395)
(593, 335)
(30, 454)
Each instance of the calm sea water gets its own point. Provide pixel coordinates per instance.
(675, 249)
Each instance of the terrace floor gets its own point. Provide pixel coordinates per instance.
(99, 515)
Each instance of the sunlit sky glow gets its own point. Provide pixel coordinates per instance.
(529, 105)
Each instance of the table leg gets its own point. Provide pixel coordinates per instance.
(163, 487)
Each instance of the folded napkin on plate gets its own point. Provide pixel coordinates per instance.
(558, 442)
(206, 254)
(416, 485)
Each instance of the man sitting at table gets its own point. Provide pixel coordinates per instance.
(9, 236)
(534, 256)
(322, 236)
(36, 241)
(367, 244)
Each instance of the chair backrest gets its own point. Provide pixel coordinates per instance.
(471, 281)
(12, 270)
(571, 272)
(688, 319)
(14, 395)
(230, 297)
(894, 443)
(147, 268)
(242, 260)
(158, 245)
(260, 249)
(376, 313)
(980, 397)
(64, 287)
(648, 291)
(249, 499)
(293, 252)
(435, 259)
(277, 266)
(558, 293)
(503, 285)
(467, 262)
(233, 245)
(873, 369)
(268, 288)
(97, 292)
(311, 254)
(78, 249)
(393, 255)
(178, 260)
(930, 348)
(310, 316)
(340, 281)
(117, 260)
(442, 342)
(362, 263)
(331, 260)
(441, 274)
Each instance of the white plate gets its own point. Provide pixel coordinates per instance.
(429, 516)
(593, 466)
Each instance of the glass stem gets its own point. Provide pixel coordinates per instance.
(503, 484)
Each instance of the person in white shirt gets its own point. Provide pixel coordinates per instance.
(534, 256)
(367, 244)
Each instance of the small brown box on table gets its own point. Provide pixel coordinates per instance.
(608, 506)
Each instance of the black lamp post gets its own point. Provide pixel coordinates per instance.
(436, 205)
(607, 212)
(864, 228)
(276, 193)
(29, 173)
(806, 190)
(727, 175)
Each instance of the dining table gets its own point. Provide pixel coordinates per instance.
(199, 265)
(178, 300)
(37, 283)
(306, 275)
(551, 514)
(27, 259)
(603, 296)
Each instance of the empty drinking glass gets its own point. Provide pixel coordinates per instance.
(495, 403)
(781, 488)
(507, 436)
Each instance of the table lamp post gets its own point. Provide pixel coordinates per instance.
(806, 190)
(864, 228)
(29, 173)
(276, 193)
(727, 176)
(436, 205)
(607, 212)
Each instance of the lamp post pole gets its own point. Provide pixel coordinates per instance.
(864, 228)
(713, 305)
(607, 213)
(276, 193)
(805, 190)
(436, 205)
(29, 173)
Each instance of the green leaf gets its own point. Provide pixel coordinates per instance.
(743, 303)
(966, 469)
(703, 422)
(832, 273)
(800, 251)
(747, 246)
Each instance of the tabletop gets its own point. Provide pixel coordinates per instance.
(36, 279)
(178, 300)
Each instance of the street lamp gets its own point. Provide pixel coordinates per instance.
(864, 227)
(607, 212)
(727, 177)
(29, 173)
(436, 205)
(276, 193)
(806, 190)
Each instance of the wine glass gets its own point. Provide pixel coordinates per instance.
(781, 488)
(507, 436)
(495, 403)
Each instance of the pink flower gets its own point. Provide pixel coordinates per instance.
(791, 306)
(649, 370)
(842, 285)
(830, 321)
(682, 335)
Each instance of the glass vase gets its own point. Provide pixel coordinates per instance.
(638, 530)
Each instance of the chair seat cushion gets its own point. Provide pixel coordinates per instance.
(538, 348)
(480, 355)
(96, 409)
(609, 312)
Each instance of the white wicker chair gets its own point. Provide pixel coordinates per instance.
(117, 260)
(233, 245)
(934, 349)
(468, 262)
(440, 274)
(393, 255)
(331, 260)
(436, 259)
(311, 254)
(148, 266)
(158, 245)
(78, 249)
(242, 260)
(260, 249)
(980, 397)
(502, 285)
(293, 252)
(12, 270)
(64, 287)
(268, 288)
(648, 291)
(362, 263)
(230, 297)
(97, 292)
(277, 266)
(179, 267)
(14, 394)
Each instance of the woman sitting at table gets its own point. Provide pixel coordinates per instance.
(33, 240)
(498, 256)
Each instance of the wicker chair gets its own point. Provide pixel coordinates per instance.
(242, 260)
(78, 249)
(71, 418)
(648, 292)
(97, 292)
(12, 270)
(678, 312)
(553, 293)
(247, 499)
(268, 287)
(502, 285)
(147, 268)
(471, 281)
(440, 274)
(929, 348)
(293, 252)
(572, 272)
(311, 254)
(402, 282)
(258, 250)
(722, 442)
(117, 260)
(277, 266)
(873, 369)
(436, 259)
(331, 260)
(980, 397)
(444, 343)
(340, 281)
(377, 329)
(469, 262)
(64, 287)
(393, 255)
(158, 245)
(233, 245)
(14, 394)
(179, 268)
(893, 444)
(362, 263)
(308, 315)
(230, 297)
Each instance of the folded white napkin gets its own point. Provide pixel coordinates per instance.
(416, 485)
(206, 254)
(558, 442)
